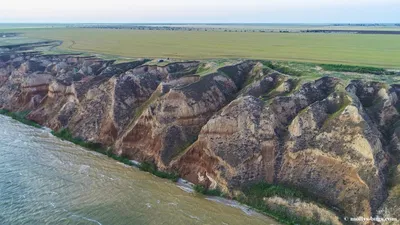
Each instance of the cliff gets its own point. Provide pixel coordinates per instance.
(241, 125)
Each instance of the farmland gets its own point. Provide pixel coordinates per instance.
(353, 49)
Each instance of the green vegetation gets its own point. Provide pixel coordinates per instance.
(351, 49)
(312, 71)
(355, 69)
(18, 40)
(270, 190)
(65, 134)
(212, 66)
(289, 69)
(139, 111)
(20, 116)
(210, 192)
(345, 101)
(296, 85)
(156, 94)
(255, 194)
(151, 168)
(203, 68)
(284, 69)
(394, 176)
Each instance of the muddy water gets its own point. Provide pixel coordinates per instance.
(44, 180)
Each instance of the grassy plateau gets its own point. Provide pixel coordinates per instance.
(350, 49)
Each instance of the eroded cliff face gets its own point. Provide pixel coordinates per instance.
(178, 111)
(241, 125)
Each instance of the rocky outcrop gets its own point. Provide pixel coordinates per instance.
(256, 126)
(390, 208)
(173, 121)
(318, 139)
(241, 125)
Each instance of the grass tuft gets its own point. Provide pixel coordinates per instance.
(254, 197)
(65, 134)
(152, 168)
(284, 69)
(210, 192)
(356, 69)
(270, 190)
(20, 116)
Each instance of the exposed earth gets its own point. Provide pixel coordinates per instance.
(240, 125)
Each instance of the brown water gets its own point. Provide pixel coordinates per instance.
(44, 180)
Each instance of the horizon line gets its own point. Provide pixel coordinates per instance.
(204, 23)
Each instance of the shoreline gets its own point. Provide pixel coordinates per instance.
(182, 184)
(171, 118)
(186, 186)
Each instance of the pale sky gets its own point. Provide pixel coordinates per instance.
(200, 11)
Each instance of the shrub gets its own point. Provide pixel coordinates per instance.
(205, 191)
(254, 197)
(152, 168)
(268, 190)
(356, 69)
(255, 194)
(20, 116)
(199, 189)
(66, 134)
(148, 167)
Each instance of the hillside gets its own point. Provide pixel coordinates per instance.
(228, 126)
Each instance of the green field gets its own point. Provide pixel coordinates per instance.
(355, 49)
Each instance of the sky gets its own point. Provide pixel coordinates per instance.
(200, 11)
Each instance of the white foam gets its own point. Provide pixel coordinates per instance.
(191, 216)
(233, 204)
(185, 185)
(186, 189)
(194, 217)
(135, 163)
(123, 164)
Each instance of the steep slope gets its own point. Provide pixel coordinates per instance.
(172, 122)
(319, 139)
(242, 125)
